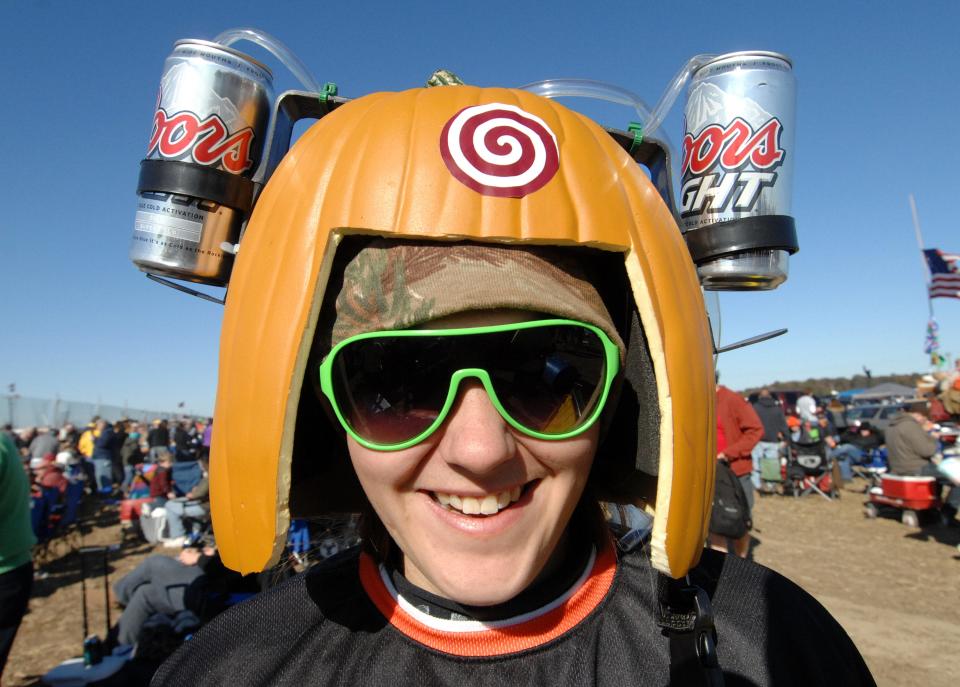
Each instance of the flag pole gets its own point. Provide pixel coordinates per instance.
(923, 259)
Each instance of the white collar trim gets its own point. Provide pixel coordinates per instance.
(445, 625)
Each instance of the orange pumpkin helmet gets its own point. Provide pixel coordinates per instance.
(401, 165)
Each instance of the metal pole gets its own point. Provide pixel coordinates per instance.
(923, 258)
(106, 587)
(83, 594)
(12, 396)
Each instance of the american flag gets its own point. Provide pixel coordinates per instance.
(944, 273)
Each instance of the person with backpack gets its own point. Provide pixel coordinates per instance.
(741, 430)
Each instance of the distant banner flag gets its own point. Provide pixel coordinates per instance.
(931, 344)
(944, 273)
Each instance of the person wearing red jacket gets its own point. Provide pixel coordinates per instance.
(50, 475)
(741, 429)
(160, 486)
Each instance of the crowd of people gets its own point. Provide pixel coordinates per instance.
(154, 477)
(124, 460)
(132, 464)
(46, 472)
(758, 441)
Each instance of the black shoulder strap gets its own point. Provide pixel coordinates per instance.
(686, 618)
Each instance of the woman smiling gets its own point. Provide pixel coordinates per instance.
(468, 314)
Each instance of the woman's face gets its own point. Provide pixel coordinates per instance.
(476, 461)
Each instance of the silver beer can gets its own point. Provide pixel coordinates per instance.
(737, 170)
(195, 188)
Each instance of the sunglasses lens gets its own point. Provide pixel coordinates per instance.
(389, 390)
(549, 379)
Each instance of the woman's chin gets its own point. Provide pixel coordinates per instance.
(482, 592)
(485, 583)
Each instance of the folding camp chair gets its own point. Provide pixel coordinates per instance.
(808, 470)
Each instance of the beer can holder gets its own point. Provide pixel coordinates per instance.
(743, 236)
(651, 153)
(237, 192)
(739, 123)
(293, 106)
(752, 237)
(766, 232)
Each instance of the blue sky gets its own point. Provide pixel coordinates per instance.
(876, 104)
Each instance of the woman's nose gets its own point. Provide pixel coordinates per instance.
(475, 436)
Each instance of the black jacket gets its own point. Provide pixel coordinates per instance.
(865, 443)
(158, 436)
(771, 415)
(330, 627)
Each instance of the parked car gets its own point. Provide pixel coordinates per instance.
(878, 415)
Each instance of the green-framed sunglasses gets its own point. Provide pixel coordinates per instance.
(547, 378)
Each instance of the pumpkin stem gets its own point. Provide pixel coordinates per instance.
(444, 77)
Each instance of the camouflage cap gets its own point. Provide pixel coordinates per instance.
(393, 284)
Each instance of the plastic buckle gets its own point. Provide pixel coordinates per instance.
(703, 627)
(689, 614)
(635, 128)
(329, 89)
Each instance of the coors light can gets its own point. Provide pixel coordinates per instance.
(195, 188)
(737, 170)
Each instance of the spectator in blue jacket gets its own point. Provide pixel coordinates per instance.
(103, 455)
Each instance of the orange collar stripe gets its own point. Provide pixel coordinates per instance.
(502, 640)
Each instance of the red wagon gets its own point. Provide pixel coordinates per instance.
(909, 495)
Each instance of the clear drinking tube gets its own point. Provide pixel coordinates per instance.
(587, 88)
(596, 90)
(669, 96)
(599, 90)
(275, 47)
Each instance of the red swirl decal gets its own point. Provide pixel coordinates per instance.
(499, 150)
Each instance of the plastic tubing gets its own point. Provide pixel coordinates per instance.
(597, 90)
(277, 48)
(669, 96)
(588, 88)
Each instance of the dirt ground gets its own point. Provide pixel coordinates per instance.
(895, 590)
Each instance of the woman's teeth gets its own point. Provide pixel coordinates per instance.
(491, 504)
